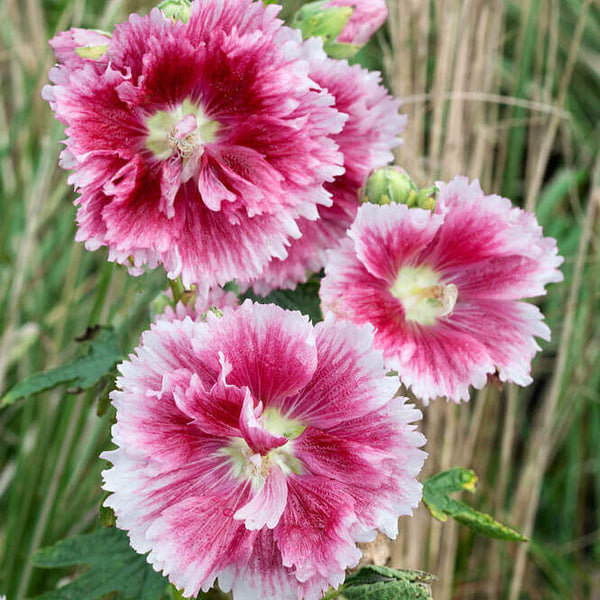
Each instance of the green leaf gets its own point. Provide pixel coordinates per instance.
(382, 583)
(304, 298)
(435, 496)
(373, 573)
(115, 568)
(82, 373)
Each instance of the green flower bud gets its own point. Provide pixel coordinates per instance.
(178, 10)
(341, 50)
(390, 184)
(427, 198)
(345, 25)
(318, 20)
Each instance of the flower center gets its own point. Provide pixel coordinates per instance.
(247, 464)
(182, 131)
(277, 424)
(423, 297)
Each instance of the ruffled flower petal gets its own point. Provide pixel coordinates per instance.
(268, 504)
(274, 355)
(372, 130)
(490, 248)
(345, 381)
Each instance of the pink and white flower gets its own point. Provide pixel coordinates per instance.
(372, 130)
(443, 290)
(197, 145)
(258, 449)
(367, 18)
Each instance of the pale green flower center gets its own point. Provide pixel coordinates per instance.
(182, 131)
(277, 424)
(246, 464)
(423, 297)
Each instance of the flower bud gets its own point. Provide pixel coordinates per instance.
(319, 19)
(427, 198)
(345, 25)
(367, 18)
(390, 184)
(176, 10)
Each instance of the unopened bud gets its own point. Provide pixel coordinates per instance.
(427, 198)
(392, 184)
(178, 10)
(318, 19)
(388, 185)
(345, 25)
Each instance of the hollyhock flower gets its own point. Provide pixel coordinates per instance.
(373, 128)
(195, 305)
(443, 289)
(197, 145)
(258, 449)
(367, 18)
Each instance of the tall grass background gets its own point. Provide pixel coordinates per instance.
(508, 92)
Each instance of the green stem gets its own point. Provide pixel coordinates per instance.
(101, 293)
(177, 289)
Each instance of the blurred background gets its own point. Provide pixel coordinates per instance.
(500, 90)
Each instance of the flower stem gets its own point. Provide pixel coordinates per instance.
(177, 289)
